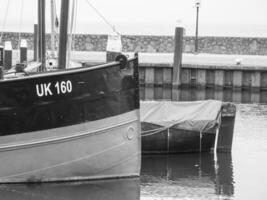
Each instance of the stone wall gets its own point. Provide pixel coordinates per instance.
(160, 44)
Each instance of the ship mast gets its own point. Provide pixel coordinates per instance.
(53, 29)
(63, 35)
(41, 34)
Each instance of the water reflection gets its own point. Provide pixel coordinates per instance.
(193, 94)
(121, 189)
(191, 176)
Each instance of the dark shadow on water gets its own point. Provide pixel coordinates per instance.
(187, 176)
(120, 189)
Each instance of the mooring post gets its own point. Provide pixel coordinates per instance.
(35, 42)
(7, 55)
(114, 47)
(225, 137)
(177, 59)
(1, 56)
(23, 51)
(1, 62)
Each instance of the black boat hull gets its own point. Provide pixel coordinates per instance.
(70, 125)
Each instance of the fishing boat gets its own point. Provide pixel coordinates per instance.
(186, 127)
(69, 124)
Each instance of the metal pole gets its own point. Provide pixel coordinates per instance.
(53, 29)
(64, 14)
(196, 39)
(35, 43)
(41, 33)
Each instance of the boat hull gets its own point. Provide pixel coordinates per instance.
(157, 139)
(92, 151)
(71, 125)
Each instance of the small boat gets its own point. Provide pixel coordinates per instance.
(180, 127)
(69, 124)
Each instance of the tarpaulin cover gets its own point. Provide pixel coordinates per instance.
(196, 115)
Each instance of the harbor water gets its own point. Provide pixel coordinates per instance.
(238, 175)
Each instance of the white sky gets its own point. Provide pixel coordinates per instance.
(217, 17)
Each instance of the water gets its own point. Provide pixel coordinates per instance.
(236, 176)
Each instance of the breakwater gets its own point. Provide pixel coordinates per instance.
(159, 44)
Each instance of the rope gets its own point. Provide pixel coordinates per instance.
(154, 131)
(5, 18)
(103, 18)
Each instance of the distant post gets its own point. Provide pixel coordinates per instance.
(1, 62)
(35, 42)
(23, 51)
(114, 47)
(8, 55)
(1, 56)
(177, 58)
(197, 2)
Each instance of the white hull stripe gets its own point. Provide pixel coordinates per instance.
(74, 136)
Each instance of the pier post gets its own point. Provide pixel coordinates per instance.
(23, 51)
(1, 56)
(35, 42)
(1, 62)
(177, 58)
(225, 137)
(1, 73)
(8, 55)
(177, 62)
(114, 47)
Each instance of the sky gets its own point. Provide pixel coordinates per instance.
(156, 17)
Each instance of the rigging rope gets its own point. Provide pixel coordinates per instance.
(102, 16)
(4, 22)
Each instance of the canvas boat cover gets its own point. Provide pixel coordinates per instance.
(195, 115)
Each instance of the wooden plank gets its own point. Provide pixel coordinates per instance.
(149, 77)
(167, 93)
(167, 84)
(237, 79)
(246, 79)
(264, 80)
(237, 96)
(158, 77)
(149, 83)
(201, 94)
(149, 93)
(201, 77)
(185, 77)
(255, 80)
(263, 97)
(158, 92)
(228, 95)
(210, 93)
(167, 76)
(210, 78)
(246, 96)
(219, 78)
(142, 76)
(218, 95)
(255, 97)
(193, 77)
(228, 78)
